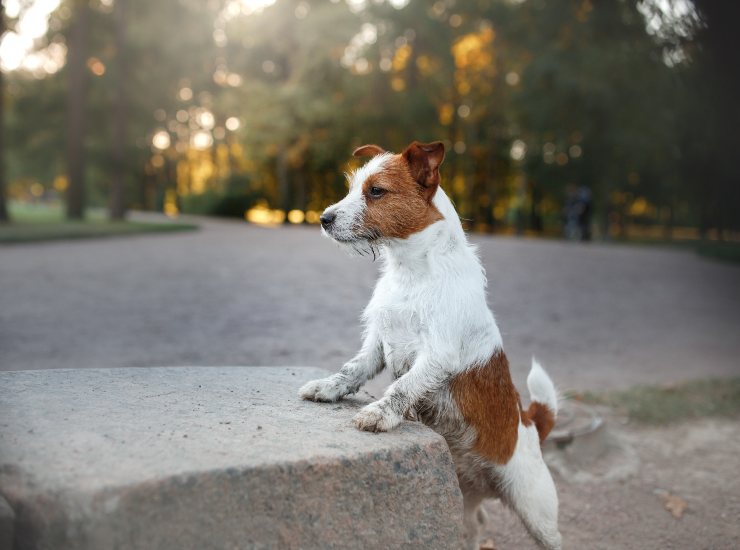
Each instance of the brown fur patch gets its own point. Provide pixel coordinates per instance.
(368, 150)
(489, 402)
(542, 417)
(403, 209)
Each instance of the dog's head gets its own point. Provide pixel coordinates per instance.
(390, 197)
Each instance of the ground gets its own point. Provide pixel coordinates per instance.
(621, 500)
(598, 316)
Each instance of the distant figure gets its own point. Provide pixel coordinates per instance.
(571, 213)
(577, 213)
(585, 211)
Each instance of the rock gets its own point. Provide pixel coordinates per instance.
(7, 520)
(213, 457)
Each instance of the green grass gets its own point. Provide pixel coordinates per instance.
(37, 223)
(663, 405)
(729, 252)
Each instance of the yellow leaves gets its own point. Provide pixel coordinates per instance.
(499, 211)
(426, 65)
(398, 84)
(458, 184)
(157, 161)
(261, 214)
(446, 113)
(462, 84)
(297, 152)
(61, 183)
(222, 152)
(401, 57)
(473, 51)
(641, 207)
(170, 203)
(673, 503)
(584, 9)
(474, 58)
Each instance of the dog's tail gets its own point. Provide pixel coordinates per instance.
(544, 406)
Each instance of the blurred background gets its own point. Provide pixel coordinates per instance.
(610, 121)
(562, 118)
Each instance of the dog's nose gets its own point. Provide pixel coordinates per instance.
(327, 218)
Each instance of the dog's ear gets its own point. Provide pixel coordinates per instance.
(424, 160)
(368, 151)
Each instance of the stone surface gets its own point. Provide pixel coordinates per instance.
(7, 521)
(219, 457)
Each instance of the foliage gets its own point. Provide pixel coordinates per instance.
(529, 97)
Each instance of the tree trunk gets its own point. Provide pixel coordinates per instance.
(76, 103)
(3, 206)
(283, 178)
(120, 109)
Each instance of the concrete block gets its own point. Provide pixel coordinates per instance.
(7, 522)
(213, 457)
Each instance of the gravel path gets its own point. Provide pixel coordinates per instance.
(693, 464)
(234, 294)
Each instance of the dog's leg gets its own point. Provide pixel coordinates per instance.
(473, 518)
(423, 378)
(355, 372)
(529, 490)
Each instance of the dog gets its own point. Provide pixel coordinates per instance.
(429, 323)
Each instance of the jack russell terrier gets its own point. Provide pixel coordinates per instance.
(428, 321)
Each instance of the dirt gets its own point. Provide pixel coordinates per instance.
(679, 489)
(597, 315)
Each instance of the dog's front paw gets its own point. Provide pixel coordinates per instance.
(322, 390)
(376, 418)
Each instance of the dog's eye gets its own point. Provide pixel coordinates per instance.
(376, 192)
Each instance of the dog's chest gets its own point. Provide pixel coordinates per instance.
(399, 318)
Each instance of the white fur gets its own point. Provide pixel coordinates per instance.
(528, 489)
(541, 387)
(349, 210)
(427, 321)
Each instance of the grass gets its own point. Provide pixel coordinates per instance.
(38, 223)
(662, 405)
(729, 252)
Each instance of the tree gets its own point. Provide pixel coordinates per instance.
(4, 217)
(76, 108)
(119, 143)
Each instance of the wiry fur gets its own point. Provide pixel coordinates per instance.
(428, 322)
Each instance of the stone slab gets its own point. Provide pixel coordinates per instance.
(212, 457)
(7, 522)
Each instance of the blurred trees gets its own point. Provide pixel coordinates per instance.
(119, 143)
(3, 206)
(77, 89)
(709, 133)
(198, 100)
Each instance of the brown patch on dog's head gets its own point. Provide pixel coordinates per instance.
(369, 150)
(424, 160)
(399, 195)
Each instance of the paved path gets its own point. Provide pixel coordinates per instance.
(235, 294)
